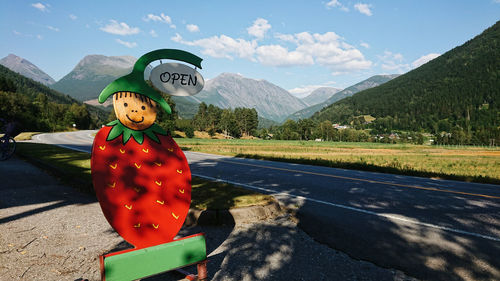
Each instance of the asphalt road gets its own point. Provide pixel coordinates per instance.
(429, 229)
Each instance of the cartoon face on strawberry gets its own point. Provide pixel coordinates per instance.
(140, 175)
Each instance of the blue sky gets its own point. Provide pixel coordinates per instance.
(297, 45)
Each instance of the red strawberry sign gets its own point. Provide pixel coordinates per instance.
(140, 175)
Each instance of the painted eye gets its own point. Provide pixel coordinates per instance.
(125, 104)
(143, 107)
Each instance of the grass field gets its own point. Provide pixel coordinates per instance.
(476, 164)
(73, 168)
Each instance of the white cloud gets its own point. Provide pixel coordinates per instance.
(285, 37)
(153, 33)
(276, 55)
(394, 62)
(302, 92)
(17, 33)
(222, 46)
(178, 38)
(72, 17)
(364, 8)
(337, 73)
(365, 45)
(192, 28)
(327, 49)
(336, 4)
(127, 44)
(425, 59)
(159, 18)
(40, 6)
(330, 50)
(53, 28)
(333, 3)
(259, 28)
(121, 28)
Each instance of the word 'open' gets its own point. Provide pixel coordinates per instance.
(182, 78)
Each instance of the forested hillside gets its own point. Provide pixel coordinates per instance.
(39, 108)
(371, 82)
(455, 96)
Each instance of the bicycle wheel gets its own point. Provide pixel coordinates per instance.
(7, 147)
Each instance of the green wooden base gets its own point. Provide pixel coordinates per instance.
(134, 264)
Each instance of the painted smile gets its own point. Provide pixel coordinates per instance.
(137, 122)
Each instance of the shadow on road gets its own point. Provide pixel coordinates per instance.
(30, 188)
(420, 251)
(276, 251)
(417, 249)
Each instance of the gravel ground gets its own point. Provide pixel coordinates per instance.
(49, 231)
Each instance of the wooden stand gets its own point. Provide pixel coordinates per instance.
(134, 264)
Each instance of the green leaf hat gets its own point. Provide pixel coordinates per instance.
(134, 82)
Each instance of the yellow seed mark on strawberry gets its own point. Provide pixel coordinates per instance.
(113, 166)
(122, 151)
(170, 149)
(145, 150)
(137, 189)
(176, 217)
(181, 191)
(160, 202)
(137, 225)
(158, 183)
(179, 171)
(156, 226)
(138, 166)
(128, 207)
(158, 164)
(112, 184)
(102, 147)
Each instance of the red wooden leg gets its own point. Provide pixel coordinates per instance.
(202, 271)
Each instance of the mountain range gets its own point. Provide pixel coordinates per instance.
(455, 96)
(26, 68)
(92, 74)
(227, 90)
(233, 90)
(347, 92)
(320, 95)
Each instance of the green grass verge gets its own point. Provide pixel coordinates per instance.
(73, 168)
(465, 163)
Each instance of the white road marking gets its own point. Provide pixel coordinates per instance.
(359, 210)
(72, 148)
(386, 216)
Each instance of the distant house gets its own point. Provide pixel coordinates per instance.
(394, 136)
(340, 127)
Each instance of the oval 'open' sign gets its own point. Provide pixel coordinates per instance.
(177, 79)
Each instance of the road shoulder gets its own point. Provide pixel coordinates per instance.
(53, 232)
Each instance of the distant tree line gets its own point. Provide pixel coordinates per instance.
(308, 129)
(234, 123)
